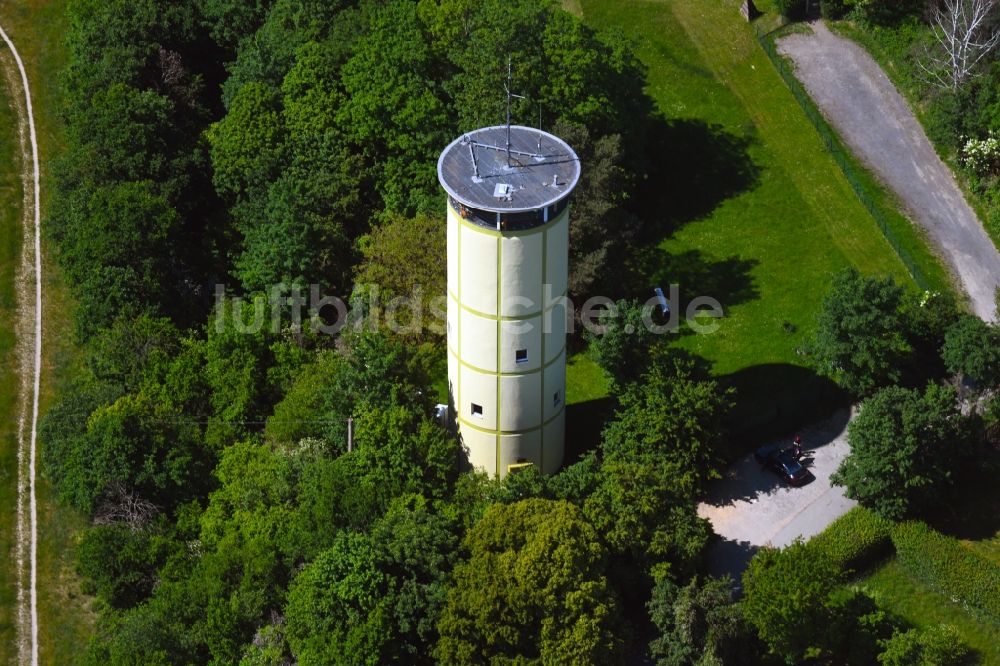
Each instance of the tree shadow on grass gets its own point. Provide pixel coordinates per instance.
(729, 281)
(693, 166)
(584, 423)
(725, 556)
(775, 400)
(973, 511)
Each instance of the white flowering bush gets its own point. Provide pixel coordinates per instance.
(982, 156)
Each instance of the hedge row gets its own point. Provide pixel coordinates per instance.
(946, 565)
(856, 540)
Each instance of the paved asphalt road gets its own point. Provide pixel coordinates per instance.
(752, 507)
(876, 123)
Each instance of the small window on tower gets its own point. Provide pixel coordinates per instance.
(556, 399)
(521, 355)
(477, 410)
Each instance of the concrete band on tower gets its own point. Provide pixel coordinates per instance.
(508, 240)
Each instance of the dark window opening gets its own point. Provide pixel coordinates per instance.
(508, 221)
(477, 410)
(521, 356)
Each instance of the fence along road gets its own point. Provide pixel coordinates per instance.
(877, 124)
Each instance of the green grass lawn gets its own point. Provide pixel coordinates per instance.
(11, 198)
(65, 617)
(755, 212)
(895, 591)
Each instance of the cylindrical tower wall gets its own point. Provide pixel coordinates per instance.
(507, 341)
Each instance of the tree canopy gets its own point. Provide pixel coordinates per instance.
(972, 347)
(533, 591)
(860, 338)
(245, 148)
(907, 448)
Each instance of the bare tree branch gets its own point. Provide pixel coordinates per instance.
(963, 36)
(123, 507)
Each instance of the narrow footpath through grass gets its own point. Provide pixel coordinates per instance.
(65, 617)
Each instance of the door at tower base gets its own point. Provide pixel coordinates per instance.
(497, 453)
(508, 247)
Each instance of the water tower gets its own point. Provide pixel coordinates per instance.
(508, 237)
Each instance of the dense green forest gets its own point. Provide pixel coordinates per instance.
(294, 143)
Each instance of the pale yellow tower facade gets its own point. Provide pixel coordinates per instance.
(508, 241)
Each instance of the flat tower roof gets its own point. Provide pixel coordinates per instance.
(542, 169)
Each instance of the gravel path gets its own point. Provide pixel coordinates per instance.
(751, 507)
(876, 123)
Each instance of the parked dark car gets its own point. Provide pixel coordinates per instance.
(779, 459)
(762, 454)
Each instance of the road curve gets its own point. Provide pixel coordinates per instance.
(877, 124)
(32, 230)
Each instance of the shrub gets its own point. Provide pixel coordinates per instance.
(972, 347)
(935, 646)
(982, 156)
(832, 9)
(118, 564)
(946, 565)
(906, 449)
(856, 540)
(623, 345)
(943, 120)
(886, 12)
(791, 9)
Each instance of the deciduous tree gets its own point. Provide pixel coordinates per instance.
(377, 598)
(699, 623)
(972, 347)
(676, 412)
(964, 35)
(786, 597)
(532, 592)
(404, 258)
(860, 339)
(906, 449)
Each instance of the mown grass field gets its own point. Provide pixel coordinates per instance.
(65, 620)
(896, 591)
(756, 213)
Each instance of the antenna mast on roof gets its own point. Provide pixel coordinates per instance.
(509, 96)
(539, 129)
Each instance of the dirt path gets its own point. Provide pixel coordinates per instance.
(29, 352)
(875, 121)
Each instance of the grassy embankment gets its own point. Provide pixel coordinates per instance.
(898, 593)
(755, 212)
(65, 621)
(973, 517)
(11, 206)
